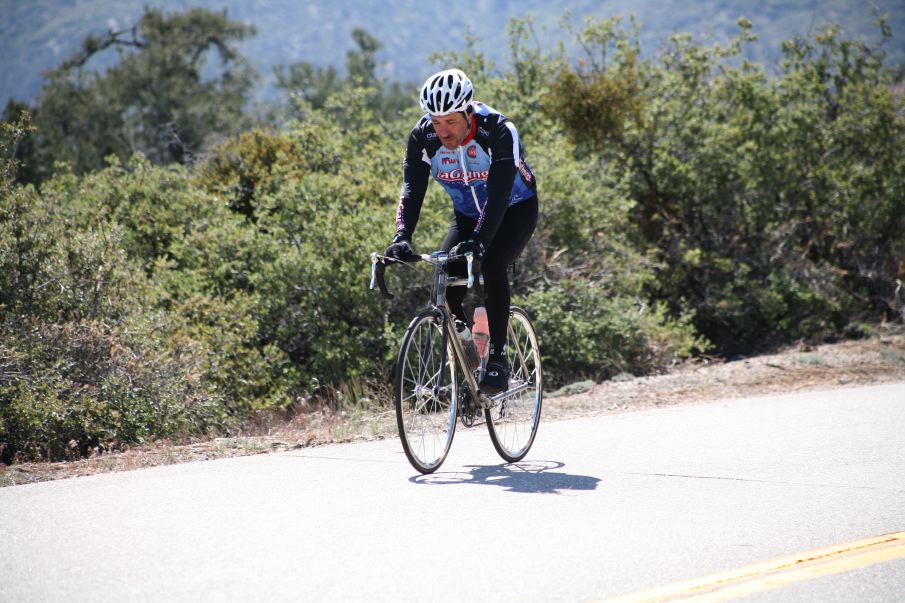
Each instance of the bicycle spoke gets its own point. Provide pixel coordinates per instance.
(514, 424)
(424, 408)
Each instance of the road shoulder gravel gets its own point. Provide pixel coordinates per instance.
(873, 360)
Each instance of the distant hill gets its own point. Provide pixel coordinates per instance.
(36, 35)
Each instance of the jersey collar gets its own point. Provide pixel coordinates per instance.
(474, 128)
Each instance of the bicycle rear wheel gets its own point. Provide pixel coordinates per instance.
(426, 392)
(513, 423)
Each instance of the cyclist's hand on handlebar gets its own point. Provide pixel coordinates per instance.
(476, 248)
(402, 250)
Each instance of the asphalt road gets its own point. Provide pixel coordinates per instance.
(601, 507)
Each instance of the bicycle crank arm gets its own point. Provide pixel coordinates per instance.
(491, 401)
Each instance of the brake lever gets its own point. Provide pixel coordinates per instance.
(469, 257)
(378, 268)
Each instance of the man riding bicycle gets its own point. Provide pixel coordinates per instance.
(475, 153)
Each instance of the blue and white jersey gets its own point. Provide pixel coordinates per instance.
(483, 176)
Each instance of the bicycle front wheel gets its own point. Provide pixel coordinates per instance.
(426, 392)
(513, 423)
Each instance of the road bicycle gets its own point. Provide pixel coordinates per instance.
(434, 385)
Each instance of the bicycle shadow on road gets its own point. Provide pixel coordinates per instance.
(535, 477)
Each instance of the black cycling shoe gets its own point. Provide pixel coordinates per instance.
(496, 378)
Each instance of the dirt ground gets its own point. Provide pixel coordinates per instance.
(878, 359)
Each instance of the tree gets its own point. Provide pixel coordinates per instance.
(180, 82)
(315, 85)
(13, 133)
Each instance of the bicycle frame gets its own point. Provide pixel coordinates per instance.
(442, 280)
(431, 352)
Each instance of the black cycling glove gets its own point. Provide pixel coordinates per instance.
(402, 250)
(476, 248)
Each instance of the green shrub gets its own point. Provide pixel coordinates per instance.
(243, 169)
(154, 206)
(70, 387)
(586, 332)
(221, 339)
(318, 307)
(773, 204)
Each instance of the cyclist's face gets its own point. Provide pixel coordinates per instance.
(452, 129)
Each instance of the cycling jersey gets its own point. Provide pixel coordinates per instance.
(484, 176)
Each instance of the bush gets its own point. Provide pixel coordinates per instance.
(221, 340)
(586, 333)
(71, 387)
(86, 359)
(773, 205)
(244, 169)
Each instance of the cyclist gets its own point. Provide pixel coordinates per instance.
(475, 153)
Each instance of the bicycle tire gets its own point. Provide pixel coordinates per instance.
(425, 400)
(513, 423)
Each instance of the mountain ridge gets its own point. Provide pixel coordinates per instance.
(39, 35)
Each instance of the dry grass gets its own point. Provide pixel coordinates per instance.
(878, 359)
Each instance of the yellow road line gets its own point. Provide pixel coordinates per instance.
(778, 572)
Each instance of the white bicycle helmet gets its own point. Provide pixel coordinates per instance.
(446, 92)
